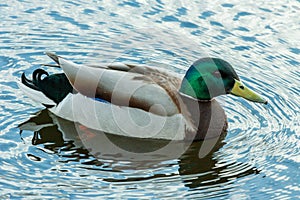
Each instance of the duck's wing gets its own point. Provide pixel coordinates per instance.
(146, 88)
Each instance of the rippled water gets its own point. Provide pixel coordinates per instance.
(258, 158)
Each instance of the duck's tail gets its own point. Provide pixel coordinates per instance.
(47, 89)
(54, 57)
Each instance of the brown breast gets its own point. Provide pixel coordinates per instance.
(209, 118)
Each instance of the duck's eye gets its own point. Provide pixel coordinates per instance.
(217, 74)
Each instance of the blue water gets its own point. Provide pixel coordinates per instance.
(259, 157)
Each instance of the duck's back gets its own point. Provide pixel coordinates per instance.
(126, 85)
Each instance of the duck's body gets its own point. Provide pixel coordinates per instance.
(138, 101)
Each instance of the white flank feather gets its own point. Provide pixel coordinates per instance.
(120, 120)
(35, 95)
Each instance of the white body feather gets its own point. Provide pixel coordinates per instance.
(36, 95)
(120, 120)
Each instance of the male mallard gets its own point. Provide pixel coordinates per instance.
(139, 101)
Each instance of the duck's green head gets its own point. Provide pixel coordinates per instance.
(211, 77)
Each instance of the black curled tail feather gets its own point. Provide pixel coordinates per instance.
(55, 86)
(28, 83)
(37, 76)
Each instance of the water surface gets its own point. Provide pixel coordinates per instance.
(258, 157)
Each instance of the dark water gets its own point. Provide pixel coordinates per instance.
(258, 158)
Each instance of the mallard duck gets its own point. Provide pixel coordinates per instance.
(140, 101)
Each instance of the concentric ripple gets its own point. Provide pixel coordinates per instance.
(53, 158)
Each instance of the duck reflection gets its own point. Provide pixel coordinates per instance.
(195, 161)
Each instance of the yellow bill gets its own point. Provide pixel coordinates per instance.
(239, 89)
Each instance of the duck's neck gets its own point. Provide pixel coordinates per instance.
(193, 98)
(194, 85)
(208, 116)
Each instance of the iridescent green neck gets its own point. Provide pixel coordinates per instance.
(194, 85)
